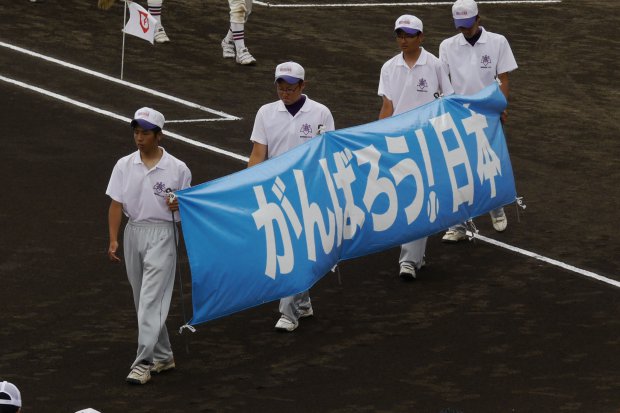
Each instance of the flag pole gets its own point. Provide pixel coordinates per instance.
(123, 48)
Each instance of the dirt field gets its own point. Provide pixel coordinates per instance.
(483, 329)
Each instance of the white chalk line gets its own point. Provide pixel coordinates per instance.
(424, 3)
(120, 117)
(551, 261)
(190, 120)
(141, 88)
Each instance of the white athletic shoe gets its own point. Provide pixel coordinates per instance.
(303, 313)
(228, 49)
(140, 374)
(244, 57)
(284, 324)
(454, 235)
(407, 271)
(161, 36)
(161, 366)
(500, 222)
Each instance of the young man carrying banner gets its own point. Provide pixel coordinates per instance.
(474, 59)
(140, 187)
(280, 126)
(408, 80)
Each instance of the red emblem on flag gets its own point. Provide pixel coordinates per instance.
(144, 21)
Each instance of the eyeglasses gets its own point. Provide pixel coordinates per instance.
(288, 90)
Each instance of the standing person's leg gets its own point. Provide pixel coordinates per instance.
(164, 256)
(133, 245)
(288, 320)
(155, 7)
(163, 359)
(151, 264)
(455, 233)
(303, 304)
(159, 260)
(228, 45)
(499, 219)
(292, 309)
(412, 258)
(233, 45)
(133, 262)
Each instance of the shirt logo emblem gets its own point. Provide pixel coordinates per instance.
(422, 85)
(306, 129)
(485, 61)
(161, 190)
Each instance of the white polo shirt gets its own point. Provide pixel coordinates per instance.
(409, 88)
(143, 192)
(275, 127)
(472, 68)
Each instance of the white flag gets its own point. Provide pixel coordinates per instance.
(141, 23)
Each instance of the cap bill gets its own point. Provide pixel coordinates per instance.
(465, 23)
(143, 124)
(289, 79)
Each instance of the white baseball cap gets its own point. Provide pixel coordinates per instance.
(409, 24)
(10, 390)
(464, 13)
(148, 119)
(89, 410)
(290, 72)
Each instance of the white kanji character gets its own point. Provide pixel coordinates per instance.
(353, 215)
(455, 158)
(311, 214)
(267, 214)
(489, 165)
(404, 168)
(375, 187)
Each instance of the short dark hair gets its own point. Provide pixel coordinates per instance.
(8, 408)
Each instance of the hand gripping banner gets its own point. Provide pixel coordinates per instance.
(275, 229)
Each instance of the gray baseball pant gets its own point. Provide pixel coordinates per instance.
(150, 260)
(494, 213)
(290, 306)
(413, 252)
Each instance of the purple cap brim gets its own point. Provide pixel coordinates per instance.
(143, 124)
(291, 80)
(466, 23)
(408, 30)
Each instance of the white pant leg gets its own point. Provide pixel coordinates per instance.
(458, 227)
(302, 301)
(290, 306)
(150, 259)
(413, 252)
(163, 348)
(240, 10)
(497, 212)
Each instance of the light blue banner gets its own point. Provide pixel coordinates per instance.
(275, 229)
